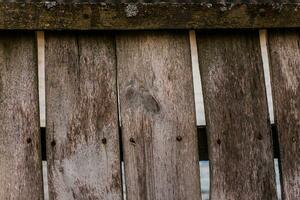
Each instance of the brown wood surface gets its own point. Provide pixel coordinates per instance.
(203, 146)
(285, 75)
(147, 14)
(82, 118)
(20, 149)
(158, 116)
(239, 135)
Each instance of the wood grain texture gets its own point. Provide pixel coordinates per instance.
(285, 76)
(158, 116)
(82, 117)
(147, 14)
(240, 146)
(20, 149)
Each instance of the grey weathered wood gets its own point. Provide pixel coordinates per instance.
(285, 75)
(145, 14)
(82, 118)
(20, 149)
(203, 146)
(158, 116)
(240, 146)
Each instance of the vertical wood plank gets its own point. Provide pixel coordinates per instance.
(285, 75)
(158, 116)
(82, 117)
(20, 149)
(240, 146)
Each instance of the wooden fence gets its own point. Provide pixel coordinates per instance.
(128, 95)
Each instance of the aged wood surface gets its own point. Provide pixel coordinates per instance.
(82, 118)
(20, 149)
(203, 146)
(285, 75)
(239, 135)
(144, 14)
(158, 116)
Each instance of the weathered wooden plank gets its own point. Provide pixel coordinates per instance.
(285, 75)
(82, 117)
(240, 145)
(20, 148)
(158, 115)
(174, 14)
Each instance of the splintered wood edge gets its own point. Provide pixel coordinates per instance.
(50, 15)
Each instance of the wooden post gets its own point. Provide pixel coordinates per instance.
(240, 146)
(285, 75)
(20, 148)
(82, 118)
(158, 115)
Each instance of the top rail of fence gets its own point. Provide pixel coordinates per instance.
(148, 14)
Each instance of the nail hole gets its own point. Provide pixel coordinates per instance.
(178, 138)
(53, 143)
(28, 140)
(132, 140)
(293, 139)
(219, 141)
(104, 140)
(259, 137)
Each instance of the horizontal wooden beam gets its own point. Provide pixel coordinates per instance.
(117, 15)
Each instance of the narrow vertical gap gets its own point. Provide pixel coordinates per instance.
(265, 58)
(200, 117)
(122, 165)
(42, 105)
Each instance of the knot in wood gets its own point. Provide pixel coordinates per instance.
(143, 98)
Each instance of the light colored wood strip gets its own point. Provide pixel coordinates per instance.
(20, 149)
(240, 147)
(285, 62)
(82, 117)
(41, 76)
(158, 115)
